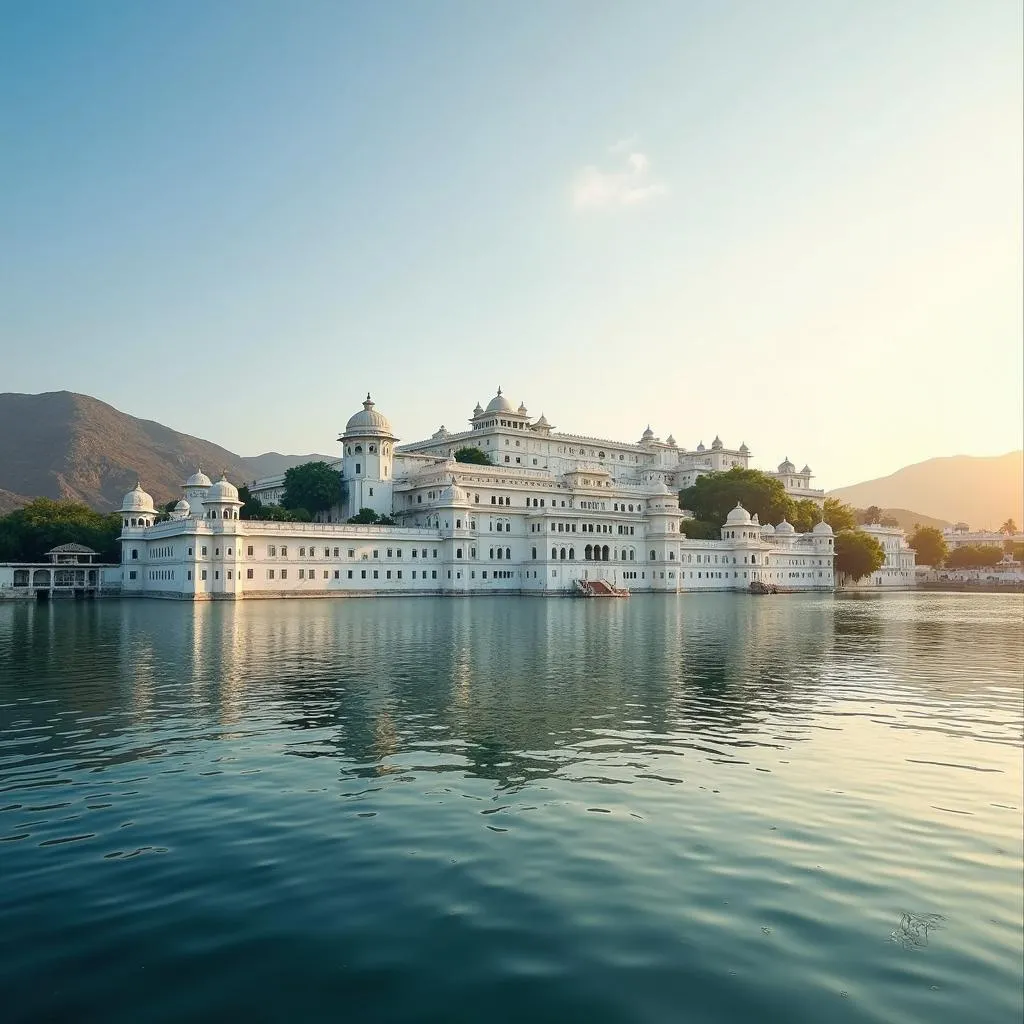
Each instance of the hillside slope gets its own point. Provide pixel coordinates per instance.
(65, 445)
(983, 491)
(274, 463)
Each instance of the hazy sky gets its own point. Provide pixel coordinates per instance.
(792, 224)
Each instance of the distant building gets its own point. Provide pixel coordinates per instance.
(899, 568)
(960, 536)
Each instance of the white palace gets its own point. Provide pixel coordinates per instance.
(551, 512)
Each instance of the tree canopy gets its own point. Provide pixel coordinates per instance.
(839, 515)
(858, 554)
(474, 456)
(714, 495)
(313, 486)
(870, 516)
(1009, 528)
(929, 545)
(974, 556)
(26, 534)
(367, 517)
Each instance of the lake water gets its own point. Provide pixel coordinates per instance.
(711, 808)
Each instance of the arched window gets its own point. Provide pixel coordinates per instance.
(508, 552)
(534, 550)
(588, 553)
(631, 553)
(372, 448)
(604, 553)
(653, 556)
(572, 554)
(359, 449)
(499, 553)
(561, 554)
(554, 553)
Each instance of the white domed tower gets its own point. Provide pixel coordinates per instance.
(137, 509)
(222, 501)
(367, 461)
(195, 488)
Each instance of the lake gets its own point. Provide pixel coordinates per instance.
(704, 808)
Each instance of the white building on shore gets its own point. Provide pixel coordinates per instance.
(899, 569)
(550, 510)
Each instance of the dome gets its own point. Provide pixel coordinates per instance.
(542, 423)
(222, 490)
(754, 520)
(806, 471)
(744, 450)
(785, 528)
(786, 466)
(701, 447)
(499, 403)
(739, 515)
(478, 410)
(716, 445)
(137, 500)
(522, 409)
(648, 434)
(767, 530)
(368, 421)
(671, 441)
(454, 495)
(441, 432)
(182, 509)
(198, 479)
(822, 529)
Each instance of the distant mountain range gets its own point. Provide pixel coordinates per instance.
(64, 445)
(983, 491)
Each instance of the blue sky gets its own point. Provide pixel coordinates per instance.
(795, 225)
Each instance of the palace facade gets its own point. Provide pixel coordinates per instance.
(550, 511)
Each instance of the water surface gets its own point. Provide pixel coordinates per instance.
(710, 808)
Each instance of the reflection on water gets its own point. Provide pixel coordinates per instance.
(718, 804)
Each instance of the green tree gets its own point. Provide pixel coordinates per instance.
(929, 545)
(26, 534)
(474, 456)
(839, 515)
(806, 515)
(365, 517)
(251, 507)
(313, 486)
(870, 516)
(1009, 528)
(714, 495)
(858, 554)
(697, 529)
(974, 556)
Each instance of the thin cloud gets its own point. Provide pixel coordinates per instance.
(596, 188)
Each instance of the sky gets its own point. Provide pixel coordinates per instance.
(796, 225)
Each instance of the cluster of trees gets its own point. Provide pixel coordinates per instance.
(874, 516)
(308, 489)
(474, 456)
(931, 549)
(26, 534)
(367, 517)
(714, 496)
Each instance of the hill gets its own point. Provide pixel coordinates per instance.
(983, 491)
(64, 445)
(273, 463)
(908, 520)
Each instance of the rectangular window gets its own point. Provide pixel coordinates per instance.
(336, 552)
(203, 575)
(414, 552)
(434, 553)
(190, 551)
(271, 550)
(351, 552)
(399, 573)
(132, 575)
(190, 574)
(399, 553)
(270, 574)
(350, 574)
(248, 574)
(284, 551)
(389, 574)
(376, 552)
(433, 574)
(302, 574)
(364, 574)
(284, 574)
(389, 552)
(204, 551)
(249, 551)
(376, 574)
(302, 552)
(326, 574)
